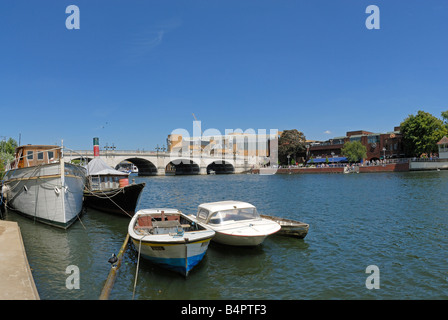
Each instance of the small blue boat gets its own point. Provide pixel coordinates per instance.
(169, 238)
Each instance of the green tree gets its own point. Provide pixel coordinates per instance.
(445, 118)
(2, 170)
(8, 146)
(7, 149)
(354, 151)
(421, 133)
(292, 143)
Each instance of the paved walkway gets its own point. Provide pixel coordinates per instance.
(16, 280)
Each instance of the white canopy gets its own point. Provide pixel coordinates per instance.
(225, 205)
(99, 167)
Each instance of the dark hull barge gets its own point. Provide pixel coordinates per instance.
(290, 228)
(121, 201)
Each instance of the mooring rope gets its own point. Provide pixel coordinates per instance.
(136, 271)
(113, 271)
(110, 198)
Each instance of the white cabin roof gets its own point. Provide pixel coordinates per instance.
(225, 205)
(99, 167)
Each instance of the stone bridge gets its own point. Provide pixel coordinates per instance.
(151, 163)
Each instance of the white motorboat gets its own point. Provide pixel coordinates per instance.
(41, 186)
(169, 238)
(235, 223)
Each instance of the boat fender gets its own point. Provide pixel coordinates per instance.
(56, 190)
(5, 193)
(25, 188)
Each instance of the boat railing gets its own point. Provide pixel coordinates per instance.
(15, 163)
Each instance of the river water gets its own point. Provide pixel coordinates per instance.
(397, 222)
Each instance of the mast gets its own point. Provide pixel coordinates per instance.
(62, 193)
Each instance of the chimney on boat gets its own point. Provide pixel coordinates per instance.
(96, 147)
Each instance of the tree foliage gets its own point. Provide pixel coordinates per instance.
(445, 118)
(354, 151)
(292, 143)
(8, 146)
(7, 149)
(421, 133)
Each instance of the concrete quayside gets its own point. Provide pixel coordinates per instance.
(16, 279)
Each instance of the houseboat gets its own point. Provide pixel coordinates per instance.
(109, 190)
(41, 186)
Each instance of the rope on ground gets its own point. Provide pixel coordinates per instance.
(113, 272)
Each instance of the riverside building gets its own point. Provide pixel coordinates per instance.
(379, 145)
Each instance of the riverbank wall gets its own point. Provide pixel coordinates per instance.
(390, 167)
(16, 280)
(436, 164)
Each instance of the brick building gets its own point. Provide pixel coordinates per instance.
(379, 145)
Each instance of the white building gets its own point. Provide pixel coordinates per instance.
(443, 148)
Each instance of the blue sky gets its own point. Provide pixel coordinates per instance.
(137, 70)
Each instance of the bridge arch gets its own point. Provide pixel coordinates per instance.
(145, 167)
(220, 167)
(182, 167)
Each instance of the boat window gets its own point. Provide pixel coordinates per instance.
(234, 215)
(40, 156)
(50, 155)
(203, 214)
(95, 182)
(29, 155)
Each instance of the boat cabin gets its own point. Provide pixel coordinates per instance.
(102, 177)
(226, 211)
(105, 182)
(34, 155)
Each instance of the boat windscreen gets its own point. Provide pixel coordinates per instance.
(234, 215)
